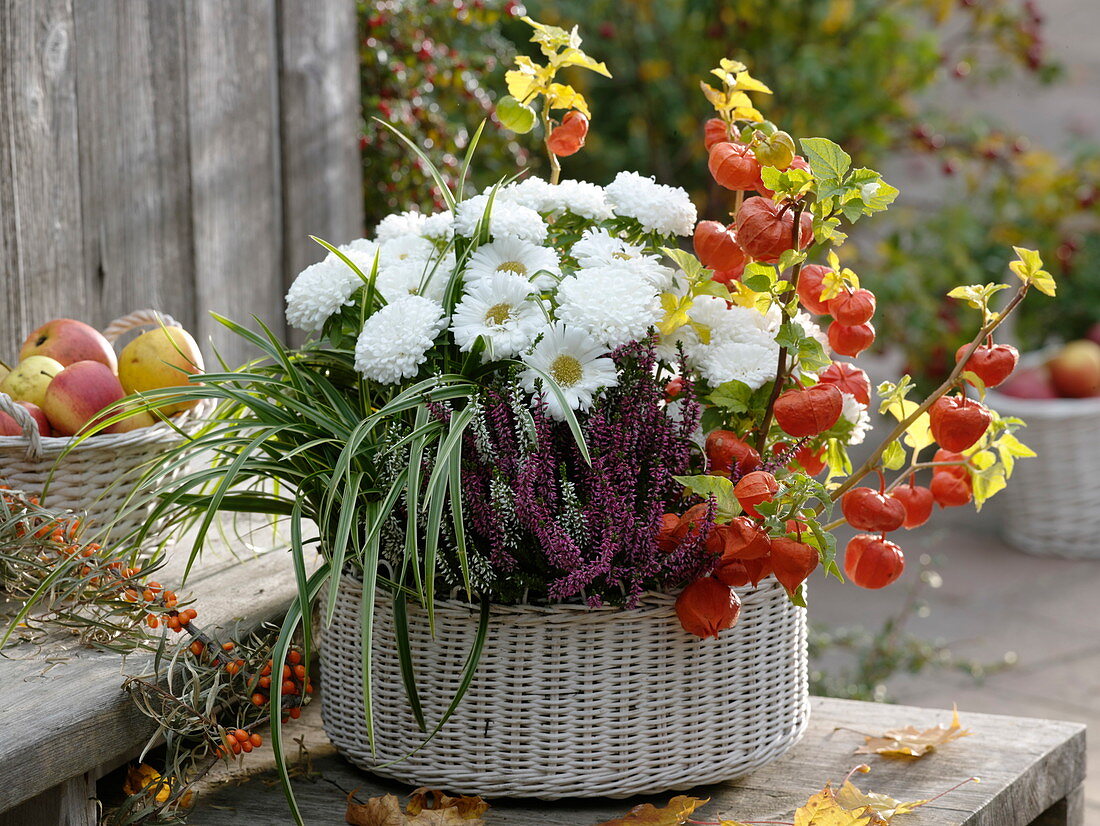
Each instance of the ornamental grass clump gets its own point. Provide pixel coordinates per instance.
(536, 395)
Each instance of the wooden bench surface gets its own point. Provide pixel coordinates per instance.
(62, 708)
(1031, 772)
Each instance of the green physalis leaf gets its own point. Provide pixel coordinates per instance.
(790, 335)
(734, 396)
(788, 258)
(893, 458)
(758, 277)
(836, 458)
(720, 487)
(790, 183)
(1030, 270)
(827, 160)
(687, 262)
(1010, 449)
(812, 357)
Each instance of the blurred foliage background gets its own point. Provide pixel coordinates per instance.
(868, 74)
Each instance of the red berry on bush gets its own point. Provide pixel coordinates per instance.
(745, 538)
(754, 489)
(715, 131)
(764, 229)
(716, 247)
(852, 308)
(706, 607)
(810, 286)
(991, 363)
(868, 510)
(917, 501)
(724, 449)
(849, 379)
(950, 491)
(958, 422)
(792, 561)
(851, 341)
(733, 165)
(808, 411)
(568, 137)
(873, 562)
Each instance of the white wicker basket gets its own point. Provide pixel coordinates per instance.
(573, 702)
(99, 474)
(1051, 506)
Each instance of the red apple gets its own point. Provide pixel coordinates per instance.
(10, 427)
(1029, 383)
(78, 393)
(1075, 371)
(1093, 333)
(69, 341)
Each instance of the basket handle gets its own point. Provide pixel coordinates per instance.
(24, 419)
(139, 318)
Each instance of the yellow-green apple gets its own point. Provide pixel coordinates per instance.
(164, 357)
(10, 427)
(30, 378)
(4, 370)
(135, 421)
(68, 341)
(1075, 371)
(78, 394)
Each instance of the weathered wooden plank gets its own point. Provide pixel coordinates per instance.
(1026, 767)
(1069, 811)
(72, 803)
(319, 117)
(235, 190)
(45, 277)
(62, 708)
(134, 160)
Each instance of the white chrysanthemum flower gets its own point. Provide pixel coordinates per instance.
(856, 414)
(396, 339)
(398, 224)
(411, 265)
(599, 248)
(753, 363)
(319, 291)
(532, 192)
(613, 304)
(360, 245)
(581, 198)
(730, 323)
(658, 208)
(507, 220)
(575, 361)
(498, 308)
(439, 226)
(668, 347)
(538, 265)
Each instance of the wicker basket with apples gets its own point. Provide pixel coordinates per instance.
(1051, 509)
(67, 383)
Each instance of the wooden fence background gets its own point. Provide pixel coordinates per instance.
(173, 154)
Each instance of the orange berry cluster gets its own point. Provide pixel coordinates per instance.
(237, 741)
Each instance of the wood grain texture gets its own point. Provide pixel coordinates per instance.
(134, 160)
(61, 693)
(319, 122)
(235, 179)
(1026, 766)
(44, 274)
(72, 803)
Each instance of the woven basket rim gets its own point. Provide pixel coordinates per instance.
(53, 445)
(1044, 408)
(648, 600)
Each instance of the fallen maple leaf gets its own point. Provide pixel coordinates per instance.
(677, 812)
(911, 742)
(881, 807)
(823, 809)
(444, 810)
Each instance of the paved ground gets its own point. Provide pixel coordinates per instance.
(994, 603)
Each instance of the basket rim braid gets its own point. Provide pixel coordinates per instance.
(96, 475)
(570, 701)
(1049, 508)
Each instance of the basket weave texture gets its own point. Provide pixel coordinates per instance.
(573, 702)
(98, 475)
(1050, 507)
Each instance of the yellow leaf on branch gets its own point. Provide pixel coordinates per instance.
(1029, 269)
(823, 809)
(882, 807)
(563, 96)
(911, 742)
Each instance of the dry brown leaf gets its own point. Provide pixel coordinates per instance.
(677, 812)
(881, 807)
(426, 808)
(911, 742)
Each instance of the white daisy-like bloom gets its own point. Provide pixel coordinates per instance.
(405, 264)
(398, 224)
(319, 291)
(498, 308)
(613, 304)
(599, 248)
(360, 245)
(395, 340)
(575, 361)
(532, 192)
(668, 347)
(730, 323)
(658, 208)
(536, 264)
(439, 226)
(753, 363)
(856, 414)
(507, 220)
